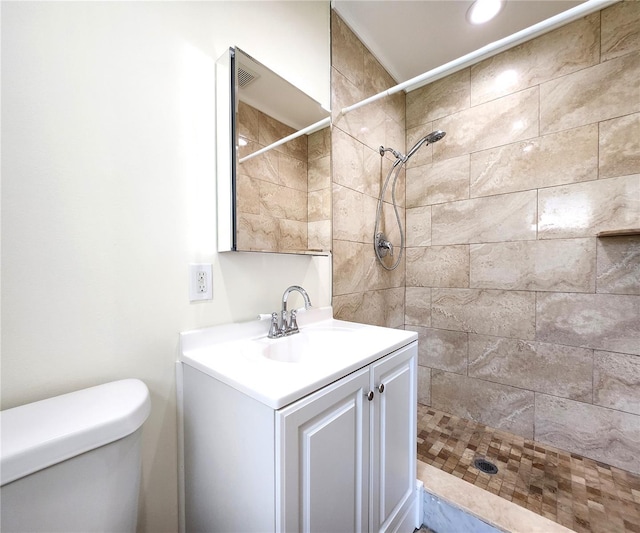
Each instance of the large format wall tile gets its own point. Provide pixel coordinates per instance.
(438, 266)
(424, 385)
(620, 29)
(591, 95)
(536, 163)
(384, 307)
(506, 120)
(620, 146)
(566, 265)
(616, 381)
(618, 265)
(498, 406)
(442, 349)
(585, 209)
(507, 217)
(601, 321)
(347, 267)
(438, 99)
(444, 181)
(550, 368)
(347, 51)
(418, 226)
(572, 47)
(488, 312)
(602, 434)
(417, 307)
(347, 212)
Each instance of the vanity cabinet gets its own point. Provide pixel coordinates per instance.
(347, 453)
(340, 459)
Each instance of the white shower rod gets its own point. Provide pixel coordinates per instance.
(309, 129)
(579, 11)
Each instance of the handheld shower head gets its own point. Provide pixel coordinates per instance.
(433, 137)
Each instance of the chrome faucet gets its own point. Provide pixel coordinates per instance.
(288, 325)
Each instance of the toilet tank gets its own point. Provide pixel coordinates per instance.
(72, 463)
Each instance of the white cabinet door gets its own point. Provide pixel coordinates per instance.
(322, 459)
(394, 410)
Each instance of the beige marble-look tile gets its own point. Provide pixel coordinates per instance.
(376, 277)
(347, 51)
(263, 166)
(319, 205)
(319, 144)
(283, 202)
(348, 163)
(417, 307)
(438, 266)
(572, 47)
(257, 232)
(319, 174)
(319, 235)
(438, 99)
(272, 130)
(506, 120)
(247, 194)
(442, 349)
(536, 163)
(292, 235)
(620, 146)
(418, 226)
(511, 409)
(618, 265)
(507, 217)
(424, 385)
(620, 29)
(292, 173)
(601, 321)
(566, 265)
(487, 312)
(384, 307)
(564, 371)
(347, 212)
(443, 181)
(616, 381)
(590, 430)
(599, 93)
(349, 307)
(585, 209)
(348, 267)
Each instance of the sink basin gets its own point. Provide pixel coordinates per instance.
(307, 346)
(277, 372)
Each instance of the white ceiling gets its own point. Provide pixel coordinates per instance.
(413, 37)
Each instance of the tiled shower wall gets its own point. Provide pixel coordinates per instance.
(283, 195)
(362, 290)
(528, 322)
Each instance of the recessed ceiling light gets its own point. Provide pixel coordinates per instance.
(482, 11)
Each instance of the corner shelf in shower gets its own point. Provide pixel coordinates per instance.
(619, 232)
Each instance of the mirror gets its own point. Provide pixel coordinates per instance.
(273, 162)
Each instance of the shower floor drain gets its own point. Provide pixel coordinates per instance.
(485, 466)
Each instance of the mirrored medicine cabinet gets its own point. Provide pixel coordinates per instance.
(273, 162)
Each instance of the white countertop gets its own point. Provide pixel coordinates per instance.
(238, 354)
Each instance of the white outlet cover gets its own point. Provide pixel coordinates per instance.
(200, 286)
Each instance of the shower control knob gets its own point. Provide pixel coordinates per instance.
(370, 395)
(381, 388)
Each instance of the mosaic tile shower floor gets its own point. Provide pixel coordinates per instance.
(576, 492)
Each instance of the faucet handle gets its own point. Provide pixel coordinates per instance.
(274, 332)
(293, 323)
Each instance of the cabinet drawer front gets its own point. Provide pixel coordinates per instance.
(323, 459)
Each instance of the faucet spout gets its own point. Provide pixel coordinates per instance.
(289, 327)
(288, 291)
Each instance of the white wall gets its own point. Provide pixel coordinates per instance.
(108, 191)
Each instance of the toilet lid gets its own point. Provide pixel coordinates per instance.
(40, 434)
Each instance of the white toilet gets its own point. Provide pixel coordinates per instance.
(72, 463)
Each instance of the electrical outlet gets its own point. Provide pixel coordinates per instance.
(200, 282)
